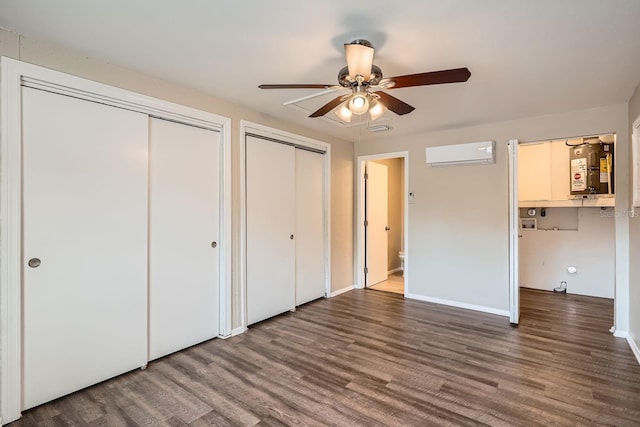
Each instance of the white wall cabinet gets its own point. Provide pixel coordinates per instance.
(543, 177)
(285, 227)
(534, 172)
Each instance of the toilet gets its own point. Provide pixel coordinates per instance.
(401, 256)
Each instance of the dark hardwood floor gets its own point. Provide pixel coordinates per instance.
(373, 358)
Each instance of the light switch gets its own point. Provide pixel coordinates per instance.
(411, 197)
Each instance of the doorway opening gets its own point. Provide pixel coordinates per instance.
(562, 217)
(383, 219)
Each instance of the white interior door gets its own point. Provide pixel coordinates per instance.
(184, 224)
(310, 229)
(85, 219)
(514, 233)
(270, 180)
(377, 207)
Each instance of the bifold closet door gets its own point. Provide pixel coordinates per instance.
(310, 227)
(84, 243)
(184, 231)
(270, 180)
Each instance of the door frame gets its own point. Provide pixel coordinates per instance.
(247, 127)
(359, 217)
(514, 232)
(621, 288)
(15, 74)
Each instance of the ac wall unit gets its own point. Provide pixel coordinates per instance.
(462, 154)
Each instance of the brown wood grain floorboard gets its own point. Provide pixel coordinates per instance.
(377, 359)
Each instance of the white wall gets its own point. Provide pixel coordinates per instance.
(65, 60)
(585, 239)
(459, 220)
(634, 245)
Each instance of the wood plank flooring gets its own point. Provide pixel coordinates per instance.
(373, 358)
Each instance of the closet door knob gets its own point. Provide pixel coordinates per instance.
(291, 237)
(34, 262)
(214, 244)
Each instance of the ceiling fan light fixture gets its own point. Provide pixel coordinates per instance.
(359, 54)
(344, 113)
(376, 110)
(359, 104)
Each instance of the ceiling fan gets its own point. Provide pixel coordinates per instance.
(365, 82)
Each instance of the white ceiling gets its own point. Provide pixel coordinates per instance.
(527, 57)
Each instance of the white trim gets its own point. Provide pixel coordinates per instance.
(78, 87)
(635, 166)
(269, 132)
(620, 334)
(237, 331)
(226, 247)
(634, 348)
(341, 291)
(395, 270)
(514, 231)
(621, 290)
(10, 243)
(13, 73)
(242, 244)
(359, 217)
(458, 304)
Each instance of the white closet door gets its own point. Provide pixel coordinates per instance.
(184, 222)
(85, 219)
(309, 239)
(270, 172)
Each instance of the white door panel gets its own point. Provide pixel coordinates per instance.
(184, 221)
(310, 274)
(270, 180)
(85, 218)
(377, 205)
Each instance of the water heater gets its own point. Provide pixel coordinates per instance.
(591, 167)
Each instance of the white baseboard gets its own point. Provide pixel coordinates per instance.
(390, 272)
(458, 304)
(341, 291)
(620, 334)
(634, 347)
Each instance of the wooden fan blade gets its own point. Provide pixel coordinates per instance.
(394, 104)
(295, 86)
(455, 75)
(328, 107)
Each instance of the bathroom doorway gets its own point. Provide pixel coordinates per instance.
(382, 209)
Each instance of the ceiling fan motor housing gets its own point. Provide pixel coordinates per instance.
(346, 81)
(367, 85)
